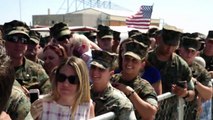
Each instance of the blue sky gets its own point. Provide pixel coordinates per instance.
(189, 15)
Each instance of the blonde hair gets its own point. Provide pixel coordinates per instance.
(83, 90)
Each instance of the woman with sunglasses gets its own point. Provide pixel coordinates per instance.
(70, 97)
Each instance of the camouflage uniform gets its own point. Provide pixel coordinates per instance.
(175, 69)
(113, 100)
(32, 75)
(18, 106)
(171, 71)
(40, 62)
(141, 87)
(209, 61)
(202, 75)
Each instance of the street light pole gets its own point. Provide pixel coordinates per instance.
(20, 9)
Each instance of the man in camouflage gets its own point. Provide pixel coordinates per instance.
(33, 47)
(29, 74)
(139, 91)
(207, 55)
(18, 104)
(202, 79)
(105, 96)
(173, 68)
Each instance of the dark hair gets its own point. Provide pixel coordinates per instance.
(7, 77)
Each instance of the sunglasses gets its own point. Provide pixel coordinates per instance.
(63, 38)
(17, 39)
(73, 79)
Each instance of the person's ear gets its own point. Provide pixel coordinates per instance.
(112, 72)
(143, 63)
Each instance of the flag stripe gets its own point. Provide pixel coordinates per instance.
(141, 20)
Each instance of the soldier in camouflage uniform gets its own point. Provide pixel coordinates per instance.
(139, 91)
(173, 68)
(33, 47)
(105, 96)
(29, 74)
(207, 55)
(18, 104)
(61, 34)
(202, 79)
(6, 82)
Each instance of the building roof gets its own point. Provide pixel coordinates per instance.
(123, 13)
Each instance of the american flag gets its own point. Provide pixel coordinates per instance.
(141, 20)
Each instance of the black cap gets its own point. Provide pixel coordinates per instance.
(210, 35)
(116, 35)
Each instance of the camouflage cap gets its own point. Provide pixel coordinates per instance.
(136, 49)
(90, 34)
(190, 43)
(132, 32)
(142, 38)
(152, 32)
(103, 27)
(35, 36)
(15, 27)
(103, 59)
(210, 35)
(116, 35)
(106, 34)
(171, 35)
(59, 29)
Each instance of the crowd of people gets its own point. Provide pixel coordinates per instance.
(81, 76)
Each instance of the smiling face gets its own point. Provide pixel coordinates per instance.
(131, 65)
(99, 76)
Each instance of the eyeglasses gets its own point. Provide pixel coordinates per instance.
(63, 38)
(73, 79)
(17, 39)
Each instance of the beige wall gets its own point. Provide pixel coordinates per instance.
(48, 20)
(87, 17)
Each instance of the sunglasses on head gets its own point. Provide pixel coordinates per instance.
(63, 38)
(73, 79)
(17, 39)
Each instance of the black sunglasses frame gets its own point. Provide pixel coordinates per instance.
(16, 39)
(73, 79)
(63, 38)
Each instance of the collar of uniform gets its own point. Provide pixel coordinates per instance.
(103, 95)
